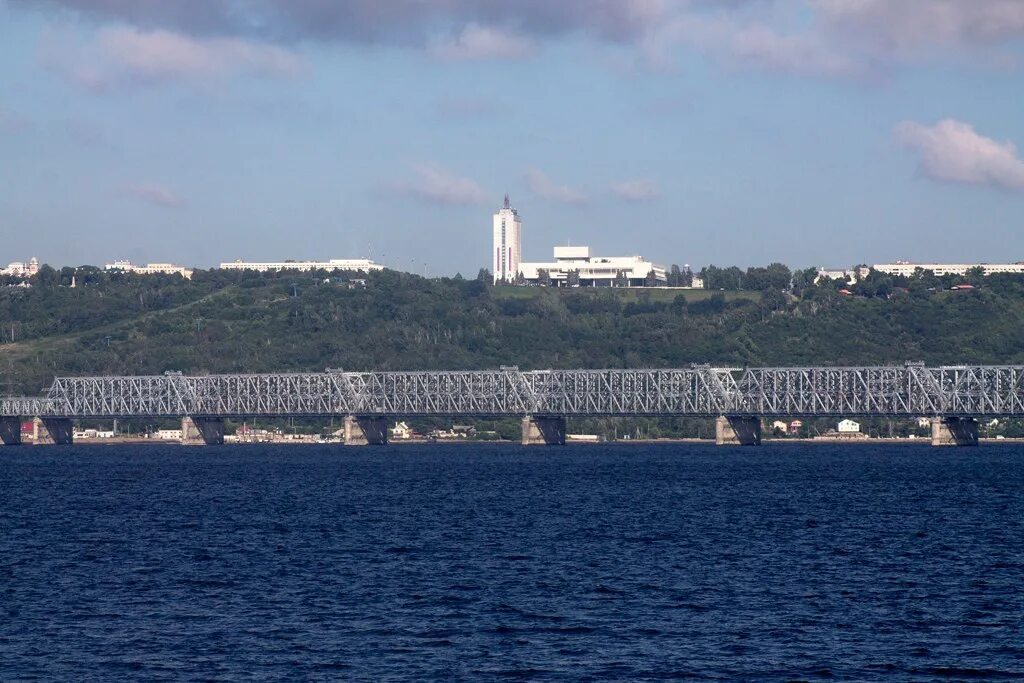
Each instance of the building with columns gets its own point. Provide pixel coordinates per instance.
(508, 243)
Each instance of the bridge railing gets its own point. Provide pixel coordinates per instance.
(907, 391)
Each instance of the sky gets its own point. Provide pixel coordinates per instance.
(728, 132)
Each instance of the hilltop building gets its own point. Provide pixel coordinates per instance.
(574, 266)
(906, 268)
(23, 270)
(508, 243)
(150, 269)
(356, 264)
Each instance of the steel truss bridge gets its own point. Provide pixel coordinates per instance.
(912, 390)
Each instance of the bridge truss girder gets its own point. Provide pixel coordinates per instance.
(883, 391)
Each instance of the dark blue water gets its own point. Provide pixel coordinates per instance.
(464, 562)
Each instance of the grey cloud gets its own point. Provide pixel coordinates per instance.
(121, 55)
(903, 27)
(410, 21)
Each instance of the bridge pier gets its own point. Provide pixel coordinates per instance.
(53, 431)
(10, 430)
(366, 430)
(737, 430)
(954, 431)
(546, 430)
(200, 431)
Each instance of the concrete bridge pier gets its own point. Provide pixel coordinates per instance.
(10, 430)
(737, 430)
(53, 431)
(546, 430)
(954, 431)
(202, 431)
(366, 430)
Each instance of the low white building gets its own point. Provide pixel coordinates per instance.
(593, 271)
(150, 269)
(848, 427)
(19, 269)
(167, 434)
(907, 268)
(848, 275)
(354, 264)
(401, 430)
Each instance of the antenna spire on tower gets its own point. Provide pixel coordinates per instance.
(508, 204)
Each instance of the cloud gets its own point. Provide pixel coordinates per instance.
(372, 21)
(479, 43)
(439, 186)
(755, 46)
(11, 121)
(903, 27)
(546, 188)
(952, 151)
(818, 38)
(123, 55)
(762, 48)
(636, 190)
(156, 194)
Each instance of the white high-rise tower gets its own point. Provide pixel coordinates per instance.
(508, 243)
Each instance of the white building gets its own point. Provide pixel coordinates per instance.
(150, 269)
(354, 264)
(907, 269)
(401, 430)
(167, 434)
(594, 271)
(19, 269)
(848, 427)
(848, 275)
(508, 243)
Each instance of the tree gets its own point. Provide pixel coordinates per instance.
(652, 279)
(543, 277)
(621, 280)
(572, 278)
(723, 278)
(803, 280)
(976, 276)
(484, 276)
(675, 276)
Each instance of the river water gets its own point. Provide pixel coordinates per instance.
(496, 562)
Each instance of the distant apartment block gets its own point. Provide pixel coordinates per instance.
(359, 264)
(22, 270)
(150, 269)
(907, 268)
(575, 266)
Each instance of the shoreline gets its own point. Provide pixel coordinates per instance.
(131, 441)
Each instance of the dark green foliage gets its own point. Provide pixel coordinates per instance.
(246, 322)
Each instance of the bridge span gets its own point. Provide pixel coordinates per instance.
(954, 397)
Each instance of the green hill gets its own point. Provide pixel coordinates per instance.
(244, 322)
